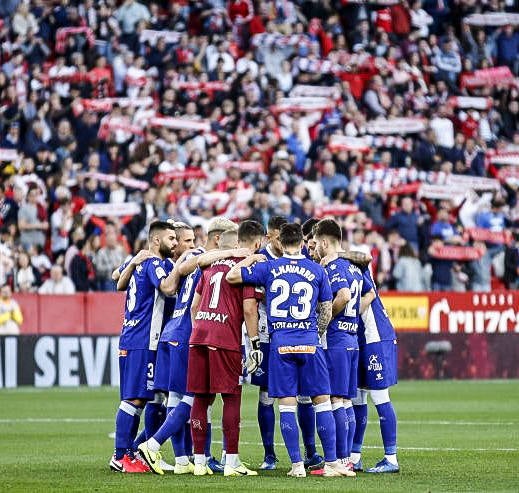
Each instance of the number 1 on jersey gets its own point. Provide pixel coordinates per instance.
(216, 282)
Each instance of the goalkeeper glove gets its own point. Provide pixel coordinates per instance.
(255, 357)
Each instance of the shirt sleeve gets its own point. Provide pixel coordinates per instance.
(325, 290)
(367, 286)
(337, 280)
(255, 274)
(123, 266)
(156, 272)
(250, 292)
(200, 284)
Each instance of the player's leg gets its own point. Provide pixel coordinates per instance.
(134, 369)
(351, 385)
(225, 377)
(360, 408)
(267, 422)
(336, 361)
(282, 383)
(380, 361)
(306, 420)
(314, 380)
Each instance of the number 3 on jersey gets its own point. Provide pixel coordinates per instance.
(299, 311)
(132, 291)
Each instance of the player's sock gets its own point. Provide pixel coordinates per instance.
(178, 441)
(290, 431)
(306, 417)
(266, 421)
(231, 423)
(326, 430)
(208, 435)
(174, 422)
(140, 439)
(387, 416)
(350, 416)
(199, 422)
(361, 420)
(124, 424)
(188, 439)
(341, 428)
(153, 417)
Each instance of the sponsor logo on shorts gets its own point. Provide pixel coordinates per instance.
(149, 385)
(374, 365)
(123, 353)
(173, 343)
(379, 376)
(303, 349)
(259, 372)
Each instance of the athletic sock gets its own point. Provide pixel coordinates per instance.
(188, 439)
(199, 422)
(326, 430)
(306, 418)
(290, 431)
(142, 435)
(341, 429)
(350, 416)
(174, 422)
(124, 424)
(209, 433)
(153, 418)
(232, 460)
(361, 421)
(267, 420)
(387, 416)
(231, 423)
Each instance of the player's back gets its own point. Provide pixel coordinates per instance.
(343, 327)
(294, 287)
(374, 323)
(219, 317)
(178, 326)
(144, 307)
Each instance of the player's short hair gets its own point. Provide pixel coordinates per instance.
(308, 226)
(219, 225)
(179, 225)
(290, 234)
(328, 227)
(250, 231)
(275, 222)
(228, 238)
(157, 226)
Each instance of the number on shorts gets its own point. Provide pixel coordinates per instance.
(216, 282)
(132, 291)
(301, 288)
(150, 370)
(355, 288)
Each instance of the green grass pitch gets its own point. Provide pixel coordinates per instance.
(453, 436)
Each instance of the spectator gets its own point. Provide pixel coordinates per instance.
(31, 222)
(61, 223)
(481, 270)
(10, 313)
(27, 277)
(441, 279)
(508, 48)
(82, 270)
(406, 222)
(108, 258)
(58, 283)
(408, 271)
(331, 180)
(448, 63)
(444, 229)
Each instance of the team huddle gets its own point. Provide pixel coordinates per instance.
(297, 317)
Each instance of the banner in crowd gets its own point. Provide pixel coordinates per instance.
(454, 252)
(492, 19)
(402, 125)
(104, 105)
(337, 210)
(8, 155)
(467, 102)
(483, 234)
(187, 174)
(181, 123)
(64, 32)
(64, 361)
(302, 90)
(488, 77)
(112, 210)
(367, 142)
(151, 36)
(123, 180)
(303, 104)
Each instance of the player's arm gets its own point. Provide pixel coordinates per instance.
(251, 318)
(366, 300)
(194, 306)
(116, 274)
(325, 315)
(169, 285)
(207, 258)
(340, 301)
(127, 272)
(360, 259)
(234, 276)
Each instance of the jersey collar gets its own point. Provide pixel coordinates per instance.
(298, 256)
(270, 252)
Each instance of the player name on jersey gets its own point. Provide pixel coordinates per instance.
(293, 269)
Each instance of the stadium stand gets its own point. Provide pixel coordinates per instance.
(401, 119)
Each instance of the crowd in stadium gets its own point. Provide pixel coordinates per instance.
(400, 119)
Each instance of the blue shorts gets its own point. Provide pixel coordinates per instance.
(162, 367)
(378, 365)
(297, 370)
(171, 374)
(260, 376)
(136, 373)
(343, 366)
